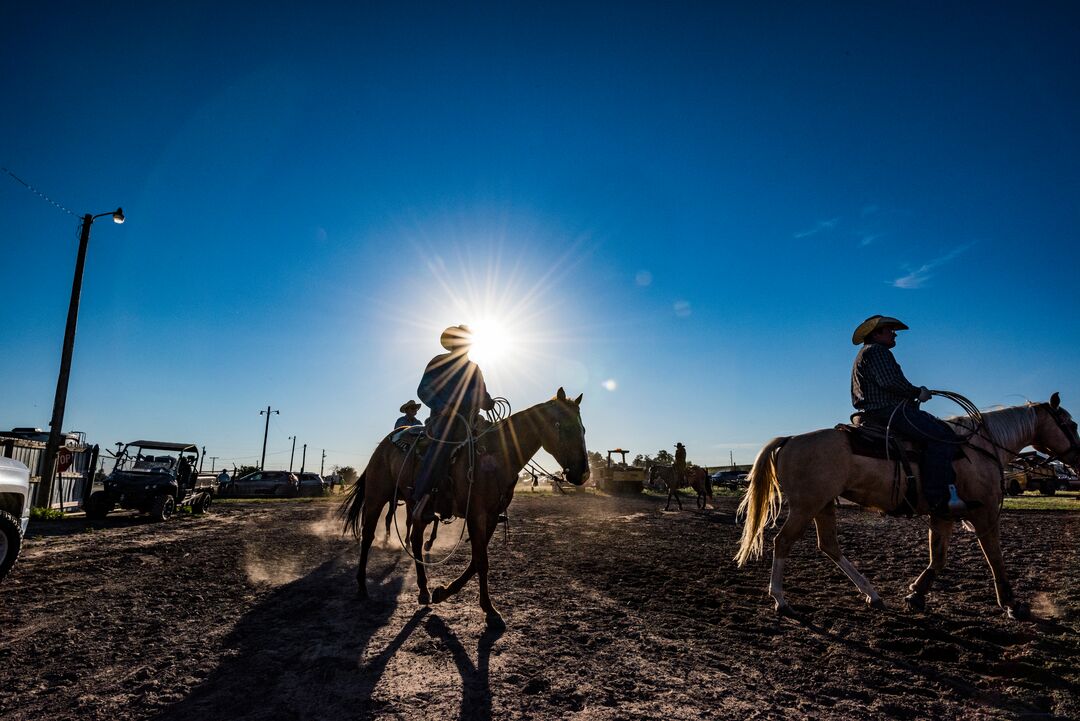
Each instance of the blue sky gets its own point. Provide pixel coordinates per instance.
(697, 202)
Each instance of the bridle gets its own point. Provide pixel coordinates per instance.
(1069, 430)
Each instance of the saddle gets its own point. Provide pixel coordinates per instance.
(867, 439)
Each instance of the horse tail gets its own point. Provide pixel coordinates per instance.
(352, 507)
(761, 503)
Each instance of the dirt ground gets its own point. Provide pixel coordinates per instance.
(614, 608)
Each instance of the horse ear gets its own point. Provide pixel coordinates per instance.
(561, 395)
(1055, 400)
(577, 401)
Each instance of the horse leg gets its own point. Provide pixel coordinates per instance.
(791, 531)
(667, 506)
(441, 593)
(417, 540)
(990, 540)
(390, 519)
(368, 525)
(830, 546)
(941, 530)
(480, 537)
(434, 533)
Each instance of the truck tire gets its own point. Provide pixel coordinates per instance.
(1014, 488)
(1048, 488)
(97, 506)
(200, 503)
(163, 507)
(10, 542)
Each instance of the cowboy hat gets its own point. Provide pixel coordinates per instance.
(871, 324)
(679, 445)
(456, 336)
(410, 407)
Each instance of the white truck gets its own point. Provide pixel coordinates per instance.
(14, 511)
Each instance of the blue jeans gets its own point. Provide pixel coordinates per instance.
(940, 447)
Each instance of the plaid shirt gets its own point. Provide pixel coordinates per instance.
(877, 381)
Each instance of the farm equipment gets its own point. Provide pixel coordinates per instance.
(1031, 472)
(617, 477)
(147, 480)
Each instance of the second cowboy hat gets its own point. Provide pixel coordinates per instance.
(410, 407)
(871, 324)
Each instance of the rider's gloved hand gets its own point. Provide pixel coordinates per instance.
(924, 394)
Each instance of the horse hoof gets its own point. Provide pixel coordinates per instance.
(916, 601)
(1019, 611)
(784, 610)
(424, 599)
(877, 604)
(495, 621)
(439, 594)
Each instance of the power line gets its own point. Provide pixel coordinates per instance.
(37, 192)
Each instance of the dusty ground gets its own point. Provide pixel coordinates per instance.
(615, 610)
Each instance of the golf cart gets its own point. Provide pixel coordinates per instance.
(155, 478)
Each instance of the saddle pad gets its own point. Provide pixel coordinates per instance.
(869, 441)
(405, 434)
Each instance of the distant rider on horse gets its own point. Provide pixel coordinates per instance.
(410, 410)
(883, 396)
(680, 465)
(452, 385)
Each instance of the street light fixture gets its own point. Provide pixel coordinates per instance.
(45, 490)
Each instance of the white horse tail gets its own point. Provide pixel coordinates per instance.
(761, 503)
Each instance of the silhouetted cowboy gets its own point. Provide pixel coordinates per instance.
(409, 419)
(453, 387)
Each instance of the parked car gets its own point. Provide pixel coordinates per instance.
(280, 484)
(311, 484)
(147, 480)
(14, 511)
(733, 480)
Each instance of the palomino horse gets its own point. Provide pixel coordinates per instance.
(699, 480)
(812, 469)
(501, 452)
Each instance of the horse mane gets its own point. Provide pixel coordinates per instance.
(1008, 427)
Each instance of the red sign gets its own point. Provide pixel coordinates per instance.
(63, 460)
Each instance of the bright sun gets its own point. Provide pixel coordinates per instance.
(491, 341)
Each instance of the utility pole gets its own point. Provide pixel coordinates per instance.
(303, 460)
(322, 463)
(48, 463)
(266, 432)
(213, 462)
(292, 453)
(202, 458)
(731, 455)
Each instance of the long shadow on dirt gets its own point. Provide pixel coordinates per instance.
(298, 654)
(475, 681)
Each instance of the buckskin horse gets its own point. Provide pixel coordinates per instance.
(500, 454)
(808, 471)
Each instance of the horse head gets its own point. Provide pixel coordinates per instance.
(1056, 433)
(563, 436)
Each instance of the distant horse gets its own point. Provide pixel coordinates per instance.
(501, 452)
(699, 480)
(668, 475)
(812, 469)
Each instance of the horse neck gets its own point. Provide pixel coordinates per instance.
(519, 437)
(1011, 430)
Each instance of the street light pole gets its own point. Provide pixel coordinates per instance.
(266, 432)
(48, 463)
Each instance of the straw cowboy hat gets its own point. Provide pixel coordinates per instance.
(410, 407)
(871, 324)
(456, 336)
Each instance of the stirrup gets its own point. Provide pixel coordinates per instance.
(956, 504)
